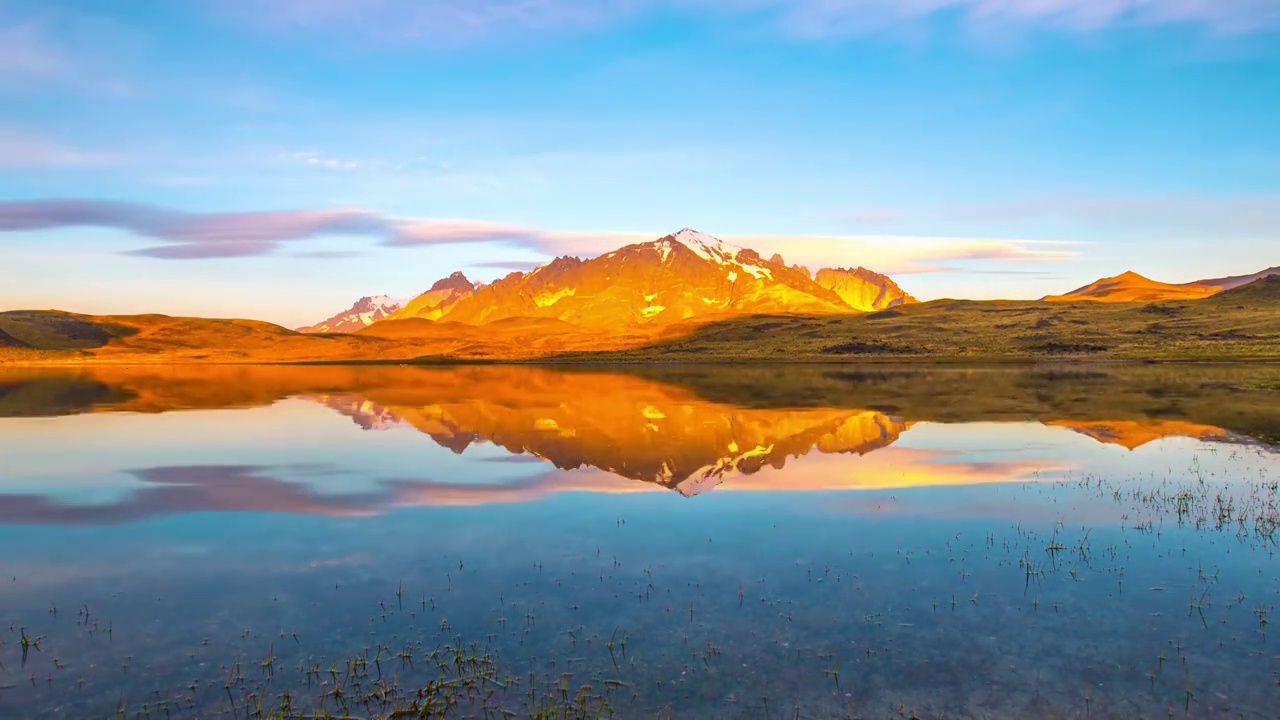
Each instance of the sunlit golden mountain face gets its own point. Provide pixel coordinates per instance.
(683, 276)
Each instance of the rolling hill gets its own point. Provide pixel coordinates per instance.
(1132, 287)
(1243, 323)
(1230, 283)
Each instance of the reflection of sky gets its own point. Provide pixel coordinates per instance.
(299, 456)
(187, 528)
(85, 455)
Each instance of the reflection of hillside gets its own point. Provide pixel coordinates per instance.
(683, 428)
(1133, 434)
(674, 423)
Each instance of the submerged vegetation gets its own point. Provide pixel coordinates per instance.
(1134, 616)
(1121, 564)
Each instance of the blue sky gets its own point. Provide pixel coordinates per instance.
(235, 158)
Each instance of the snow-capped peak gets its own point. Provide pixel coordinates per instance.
(713, 249)
(382, 301)
(706, 246)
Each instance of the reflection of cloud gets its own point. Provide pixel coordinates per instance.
(895, 468)
(1084, 509)
(174, 490)
(187, 489)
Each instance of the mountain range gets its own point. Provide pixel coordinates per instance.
(688, 276)
(684, 276)
(688, 296)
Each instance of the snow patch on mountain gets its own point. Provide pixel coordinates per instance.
(707, 247)
(365, 312)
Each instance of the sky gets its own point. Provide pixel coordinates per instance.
(234, 158)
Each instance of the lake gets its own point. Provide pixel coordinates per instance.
(640, 541)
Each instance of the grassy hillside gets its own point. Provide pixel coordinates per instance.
(52, 336)
(9, 341)
(1239, 324)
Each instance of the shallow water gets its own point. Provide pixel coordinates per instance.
(703, 542)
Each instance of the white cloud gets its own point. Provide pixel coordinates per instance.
(317, 160)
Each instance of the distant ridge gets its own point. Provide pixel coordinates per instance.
(1131, 287)
(365, 312)
(1229, 283)
(1265, 290)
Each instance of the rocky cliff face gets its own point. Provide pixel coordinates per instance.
(678, 277)
(863, 289)
(437, 302)
(365, 312)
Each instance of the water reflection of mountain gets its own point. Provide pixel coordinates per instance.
(672, 424)
(689, 431)
(1241, 400)
(638, 430)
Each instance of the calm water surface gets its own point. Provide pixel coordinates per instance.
(691, 542)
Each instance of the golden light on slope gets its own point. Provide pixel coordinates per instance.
(1133, 434)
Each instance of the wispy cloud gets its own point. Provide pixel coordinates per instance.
(1153, 217)
(440, 21)
(188, 236)
(47, 48)
(909, 254)
(20, 149)
(27, 53)
(1238, 217)
(455, 21)
(518, 265)
(847, 17)
(317, 160)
